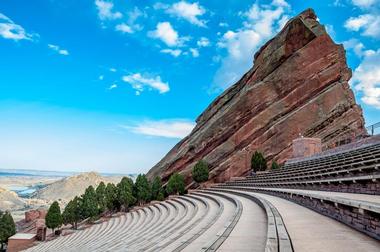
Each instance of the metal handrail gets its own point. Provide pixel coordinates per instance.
(371, 129)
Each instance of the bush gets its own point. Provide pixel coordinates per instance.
(112, 197)
(258, 162)
(53, 217)
(176, 184)
(200, 172)
(275, 166)
(72, 212)
(7, 228)
(142, 189)
(89, 203)
(125, 193)
(101, 197)
(157, 191)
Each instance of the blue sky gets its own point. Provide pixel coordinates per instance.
(111, 86)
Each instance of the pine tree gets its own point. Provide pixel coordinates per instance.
(176, 184)
(258, 162)
(157, 190)
(53, 217)
(112, 197)
(101, 197)
(142, 189)
(200, 172)
(275, 166)
(7, 228)
(125, 193)
(72, 212)
(89, 203)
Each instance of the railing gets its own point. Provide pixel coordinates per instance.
(372, 129)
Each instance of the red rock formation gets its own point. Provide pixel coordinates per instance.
(298, 85)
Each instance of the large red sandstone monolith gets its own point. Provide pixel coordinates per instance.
(298, 85)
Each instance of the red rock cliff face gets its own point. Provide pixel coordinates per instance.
(298, 85)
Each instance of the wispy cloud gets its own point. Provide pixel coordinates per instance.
(105, 10)
(139, 82)
(176, 128)
(174, 52)
(203, 42)
(10, 30)
(259, 24)
(58, 49)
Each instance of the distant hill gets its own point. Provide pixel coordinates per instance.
(67, 188)
(10, 200)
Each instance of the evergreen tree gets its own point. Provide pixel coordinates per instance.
(176, 184)
(7, 228)
(72, 212)
(89, 204)
(143, 189)
(200, 171)
(101, 197)
(53, 217)
(157, 191)
(125, 193)
(258, 162)
(275, 166)
(112, 197)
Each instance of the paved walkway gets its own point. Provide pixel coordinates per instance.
(311, 231)
(250, 232)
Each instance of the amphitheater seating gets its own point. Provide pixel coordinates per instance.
(294, 208)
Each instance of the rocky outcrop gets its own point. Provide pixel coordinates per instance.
(298, 85)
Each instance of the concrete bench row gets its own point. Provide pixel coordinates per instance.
(342, 165)
(157, 227)
(363, 215)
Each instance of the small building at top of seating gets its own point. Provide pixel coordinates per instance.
(20, 241)
(306, 147)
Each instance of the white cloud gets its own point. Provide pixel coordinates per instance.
(369, 24)
(10, 30)
(165, 32)
(222, 24)
(357, 47)
(58, 49)
(364, 3)
(163, 128)
(203, 42)
(113, 70)
(191, 12)
(101, 77)
(260, 23)
(105, 11)
(194, 52)
(366, 79)
(113, 86)
(124, 28)
(140, 82)
(173, 52)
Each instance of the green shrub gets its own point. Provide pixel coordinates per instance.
(157, 191)
(7, 228)
(176, 184)
(275, 166)
(200, 172)
(125, 193)
(72, 212)
(53, 217)
(142, 189)
(258, 162)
